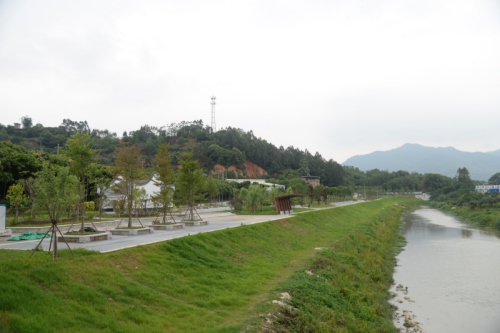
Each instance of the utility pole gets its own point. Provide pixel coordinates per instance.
(213, 115)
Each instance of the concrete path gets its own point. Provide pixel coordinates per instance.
(216, 221)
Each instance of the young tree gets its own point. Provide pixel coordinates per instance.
(317, 193)
(140, 200)
(29, 188)
(251, 196)
(190, 182)
(273, 193)
(127, 172)
(16, 197)
(310, 194)
(164, 178)
(79, 150)
(56, 191)
(211, 188)
(324, 194)
(264, 196)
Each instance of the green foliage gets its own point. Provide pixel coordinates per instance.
(56, 191)
(190, 183)
(211, 188)
(304, 167)
(16, 197)
(253, 196)
(397, 181)
(127, 172)
(16, 163)
(495, 179)
(226, 157)
(164, 178)
(463, 177)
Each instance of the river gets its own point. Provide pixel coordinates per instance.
(452, 272)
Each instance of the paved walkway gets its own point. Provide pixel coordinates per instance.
(216, 221)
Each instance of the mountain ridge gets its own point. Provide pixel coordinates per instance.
(413, 157)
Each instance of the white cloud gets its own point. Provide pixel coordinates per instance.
(341, 78)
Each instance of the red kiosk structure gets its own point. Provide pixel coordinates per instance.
(283, 204)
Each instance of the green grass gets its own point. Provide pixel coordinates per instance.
(346, 289)
(211, 282)
(265, 211)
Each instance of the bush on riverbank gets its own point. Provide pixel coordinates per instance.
(211, 282)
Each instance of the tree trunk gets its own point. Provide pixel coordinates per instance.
(129, 208)
(54, 245)
(83, 217)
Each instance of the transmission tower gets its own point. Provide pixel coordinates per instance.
(213, 114)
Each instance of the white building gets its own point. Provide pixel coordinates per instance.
(488, 188)
(258, 181)
(146, 184)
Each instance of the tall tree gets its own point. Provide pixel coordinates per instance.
(164, 178)
(190, 182)
(79, 150)
(27, 122)
(56, 191)
(127, 172)
(211, 188)
(463, 177)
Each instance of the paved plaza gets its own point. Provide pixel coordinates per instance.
(216, 221)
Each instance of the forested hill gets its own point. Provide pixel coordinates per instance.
(228, 147)
(417, 158)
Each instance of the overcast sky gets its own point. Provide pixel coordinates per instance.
(342, 78)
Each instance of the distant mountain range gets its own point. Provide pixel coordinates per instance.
(416, 158)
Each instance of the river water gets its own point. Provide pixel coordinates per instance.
(452, 272)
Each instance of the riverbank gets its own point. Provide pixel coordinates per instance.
(223, 281)
(488, 218)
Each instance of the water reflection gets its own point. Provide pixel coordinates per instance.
(451, 272)
(466, 233)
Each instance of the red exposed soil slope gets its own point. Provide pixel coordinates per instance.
(252, 170)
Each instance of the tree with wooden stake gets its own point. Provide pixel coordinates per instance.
(164, 179)
(190, 184)
(56, 191)
(127, 172)
(79, 150)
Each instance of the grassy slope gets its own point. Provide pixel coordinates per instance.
(214, 282)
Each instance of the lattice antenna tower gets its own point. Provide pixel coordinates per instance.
(213, 114)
